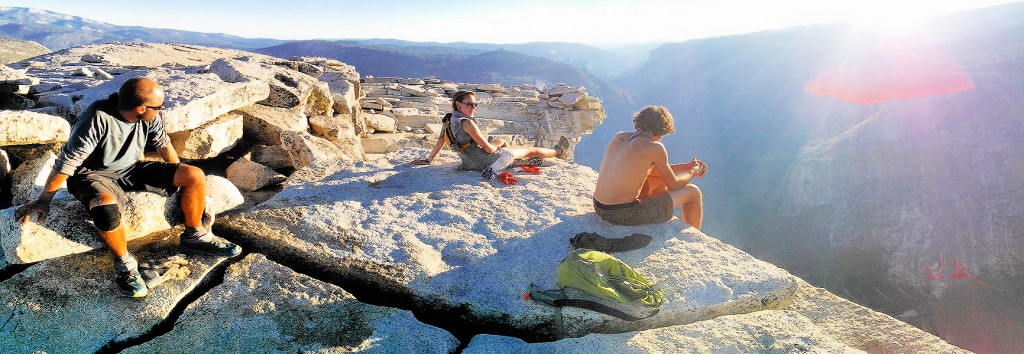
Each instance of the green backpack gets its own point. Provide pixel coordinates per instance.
(599, 274)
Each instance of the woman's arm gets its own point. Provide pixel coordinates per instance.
(470, 127)
(433, 153)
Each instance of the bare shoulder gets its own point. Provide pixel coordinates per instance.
(622, 136)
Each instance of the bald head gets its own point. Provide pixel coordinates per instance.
(139, 91)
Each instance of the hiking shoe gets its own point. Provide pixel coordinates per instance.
(131, 284)
(207, 244)
(535, 161)
(488, 174)
(563, 144)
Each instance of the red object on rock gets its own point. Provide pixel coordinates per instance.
(507, 178)
(959, 271)
(530, 169)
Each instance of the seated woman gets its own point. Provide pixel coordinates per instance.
(476, 152)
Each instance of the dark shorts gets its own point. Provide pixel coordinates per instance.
(151, 176)
(648, 210)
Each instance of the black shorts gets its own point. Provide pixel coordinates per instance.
(151, 176)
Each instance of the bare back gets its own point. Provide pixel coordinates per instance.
(628, 161)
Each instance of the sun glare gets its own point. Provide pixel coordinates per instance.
(898, 17)
(895, 24)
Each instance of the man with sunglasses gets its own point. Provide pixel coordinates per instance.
(100, 162)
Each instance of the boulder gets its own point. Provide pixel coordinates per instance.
(304, 148)
(249, 176)
(570, 99)
(210, 139)
(411, 81)
(272, 156)
(83, 71)
(415, 91)
(320, 101)
(413, 118)
(561, 90)
(93, 58)
(490, 88)
(100, 74)
(380, 122)
(29, 128)
(343, 92)
(265, 125)
(302, 67)
(372, 105)
(28, 180)
(264, 307)
(191, 99)
(44, 88)
(339, 131)
(68, 231)
(288, 88)
(71, 305)
(450, 247)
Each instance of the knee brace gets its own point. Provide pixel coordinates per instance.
(106, 217)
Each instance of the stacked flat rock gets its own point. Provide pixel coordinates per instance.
(215, 100)
(404, 112)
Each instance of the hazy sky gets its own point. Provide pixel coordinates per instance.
(592, 21)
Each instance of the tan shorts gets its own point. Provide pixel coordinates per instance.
(647, 210)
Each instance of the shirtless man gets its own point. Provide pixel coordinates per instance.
(637, 185)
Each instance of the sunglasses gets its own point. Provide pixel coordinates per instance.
(471, 104)
(155, 108)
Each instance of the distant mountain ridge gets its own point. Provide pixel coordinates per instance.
(602, 63)
(58, 31)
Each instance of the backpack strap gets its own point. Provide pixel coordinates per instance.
(449, 136)
(556, 298)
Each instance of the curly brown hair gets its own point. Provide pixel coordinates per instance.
(655, 120)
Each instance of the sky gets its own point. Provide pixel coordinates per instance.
(598, 22)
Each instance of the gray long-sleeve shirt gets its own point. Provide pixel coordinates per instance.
(102, 140)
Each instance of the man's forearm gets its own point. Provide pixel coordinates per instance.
(53, 184)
